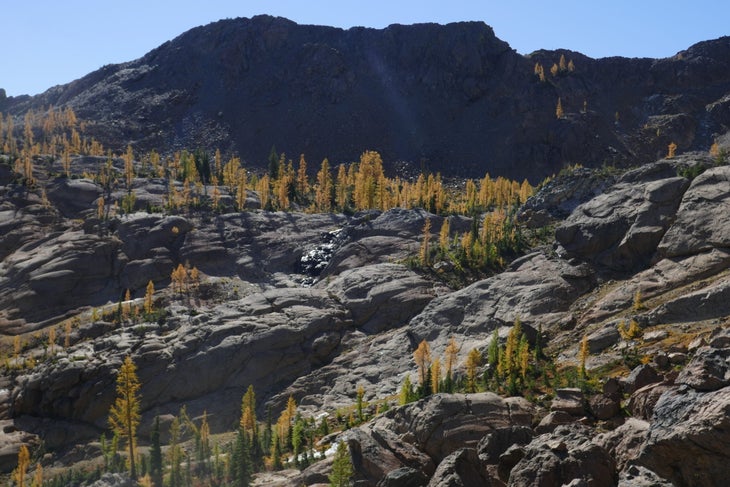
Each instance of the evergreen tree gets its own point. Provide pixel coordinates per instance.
(202, 165)
(360, 395)
(342, 470)
(241, 461)
(406, 392)
(156, 453)
(274, 166)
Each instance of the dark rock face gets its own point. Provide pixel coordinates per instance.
(691, 420)
(440, 95)
(561, 457)
(437, 436)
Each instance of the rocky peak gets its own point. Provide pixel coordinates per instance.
(452, 98)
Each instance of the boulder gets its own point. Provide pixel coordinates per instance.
(662, 277)
(494, 444)
(621, 228)
(624, 443)
(114, 480)
(73, 197)
(62, 272)
(643, 400)
(536, 288)
(638, 476)
(605, 406)
(422, 434)
(606, 336)
(459, 469)
(569, 400)
(370, 292)
(559, 457)
(11, 439)
(404, 477)
(702, 222)
(709, 369)
(689, 424)
(639, 377)
(552, 420)
(710, 301)
(561, 195)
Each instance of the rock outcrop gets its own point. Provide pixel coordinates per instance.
(318, 307)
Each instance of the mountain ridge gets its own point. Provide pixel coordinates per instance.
(451, 98)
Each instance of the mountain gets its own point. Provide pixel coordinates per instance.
(451, 98)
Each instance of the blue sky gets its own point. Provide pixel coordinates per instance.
(50, 42)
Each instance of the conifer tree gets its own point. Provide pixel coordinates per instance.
(435, 375)
(124, 414)
(360, 395)
(559, 110)
(473, 361)
(406, 392)
(175, 454)
(203, 442)
(129, 167)
(450, 353)
(38, 476)
(671, 150)
(582, 356)
(342, 470)
(302, 184)
(539, 72)
(425, 251)
(493, 351)
(156, 453)
(22, 469)
(342, 188)
(274, 165)
(149, 298)
(241, 464)
(562, 66)
(422, 356)
(324, 188)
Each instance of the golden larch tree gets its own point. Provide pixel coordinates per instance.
(435, 375)
(425, 252)
(450, 353)
(444, 235)
(671, 150)
(149, 298)
(422, 356)
(22, 469)
(302, 184)
(323, 190)
(562, 66)
(473, 361)
(124, 414)
(248, 412)
(559, 113)
(129, 167)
